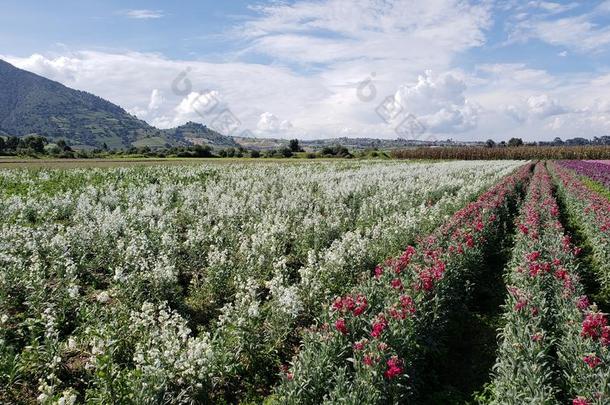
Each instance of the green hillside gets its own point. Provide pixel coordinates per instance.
(32, 104)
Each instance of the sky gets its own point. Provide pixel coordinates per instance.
(434, 69)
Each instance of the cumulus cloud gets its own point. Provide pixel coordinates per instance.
(269, 123)
(439, 102)
(544, 106)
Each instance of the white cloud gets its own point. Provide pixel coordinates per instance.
(544, 106)
(156, 100)
(143, 14)
(269, 123)
(439, 102)
(580, 32)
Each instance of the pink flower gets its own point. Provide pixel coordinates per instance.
(520, 305)
(605, 339)
(580, 401)
(367, 360)
(361, 304)
(340, 326)
(394, 367)
(378, 272)
(396, 284)
(560, 274)
(583, 302)
(289, 376)
(407, 304)
(592, 360)
(537, 337)
(359, 345)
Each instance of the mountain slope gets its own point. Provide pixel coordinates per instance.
(32, 104)
(195, 133)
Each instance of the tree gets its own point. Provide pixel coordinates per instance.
(12, 143)
(2, 144)
(515, 142)
(286, 152)
(255, 154)
(294, 145)
(35, 143)
(557, 141)
(63, 146)
(490, 143)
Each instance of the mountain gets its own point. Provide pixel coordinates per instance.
(198, 134)
(32, 104)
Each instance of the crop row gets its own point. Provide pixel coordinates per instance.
(553, 344)
(191, 284)
(591, 212)
(369, 344)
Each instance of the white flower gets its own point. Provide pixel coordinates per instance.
(103, 297)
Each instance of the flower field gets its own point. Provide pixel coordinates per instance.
(596, 171)
(318, 282)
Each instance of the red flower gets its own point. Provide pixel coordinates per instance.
(532, 257)
(469, 241)
(340, 326)
(394, 367)
(397, 284)
(367, 360)
(594, 325)
(361, 305)
(379, 325)
(592, 360)
(560, 274)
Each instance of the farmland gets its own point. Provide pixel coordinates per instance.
(313, 282)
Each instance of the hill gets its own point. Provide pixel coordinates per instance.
(198, 134)
(33, 104)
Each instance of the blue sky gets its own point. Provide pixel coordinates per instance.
(452, 69)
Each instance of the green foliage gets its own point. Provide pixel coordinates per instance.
(515, 142)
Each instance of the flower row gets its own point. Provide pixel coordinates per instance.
(547, 335)
(370, 342)
(591, 212)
